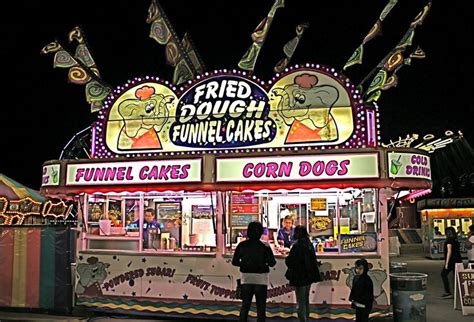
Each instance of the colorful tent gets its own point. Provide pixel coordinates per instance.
(34, 260)
(13, 190)
(18, 201)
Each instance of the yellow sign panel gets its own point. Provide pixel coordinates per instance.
(318, 204)
(306, 107)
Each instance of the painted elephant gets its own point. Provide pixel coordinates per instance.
(91, 276)
(306, 108)
(378, 277)
(143, 118)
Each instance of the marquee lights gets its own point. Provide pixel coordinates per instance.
(358, 139)
(14, 212)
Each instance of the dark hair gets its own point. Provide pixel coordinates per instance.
(150, 210)
(300, 232)
(471, 228)
(255, 230)
(451, 233)
(363, 262)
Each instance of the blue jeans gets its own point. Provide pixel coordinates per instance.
(302, 298)
(248, 290)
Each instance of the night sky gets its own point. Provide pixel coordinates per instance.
(41, 111)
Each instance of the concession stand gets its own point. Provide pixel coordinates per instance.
(443, 213)
(210, 157)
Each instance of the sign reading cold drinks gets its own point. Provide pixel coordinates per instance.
(409, 165)
(291, 168)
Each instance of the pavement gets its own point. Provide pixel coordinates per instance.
(438, 310)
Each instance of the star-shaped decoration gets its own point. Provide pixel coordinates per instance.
(185, 296)
(180, 260)
(133, 293)
(144, 260)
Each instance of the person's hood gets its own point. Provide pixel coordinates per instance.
(364, 264)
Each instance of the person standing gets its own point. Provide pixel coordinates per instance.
(362, 291)
(254, 259)
(302, 270)
(452, 255)
(285, 233)
(469, 243)
(149, 224)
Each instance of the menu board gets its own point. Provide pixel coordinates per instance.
(244, 209)
(244, 198)
(242, 220)
(201, 212)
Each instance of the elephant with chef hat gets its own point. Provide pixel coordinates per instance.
(306, 108)
(91, 275)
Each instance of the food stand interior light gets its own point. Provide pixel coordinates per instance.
(450, 210)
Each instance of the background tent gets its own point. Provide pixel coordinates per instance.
(17, 202)
(35, 260)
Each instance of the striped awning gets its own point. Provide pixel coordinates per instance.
(18, 201)
(13, 190)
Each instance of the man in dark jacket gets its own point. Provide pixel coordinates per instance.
(254, 259)
(362, 292)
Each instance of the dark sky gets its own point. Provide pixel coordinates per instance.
(41, 111)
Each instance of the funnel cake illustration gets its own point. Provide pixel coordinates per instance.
(143, 118)
(306, 108)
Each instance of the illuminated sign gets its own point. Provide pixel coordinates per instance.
(318, 204)
(358, 243)
(307, 107)
(51, 175)
(291, 168)
(134, 172)
(409, 165)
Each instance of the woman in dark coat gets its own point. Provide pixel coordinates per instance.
(452, 255)
(302, 270)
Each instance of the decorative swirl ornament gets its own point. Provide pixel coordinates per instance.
(77, 75)
(62, 59)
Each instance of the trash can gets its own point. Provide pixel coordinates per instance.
(408, 296)
(398, 267)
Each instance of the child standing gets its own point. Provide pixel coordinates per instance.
(362, 292)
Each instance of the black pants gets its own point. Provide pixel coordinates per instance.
(444, 277)
(362, 314)
(248, 290)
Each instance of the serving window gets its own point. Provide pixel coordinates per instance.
(338, 221)
(151, 222)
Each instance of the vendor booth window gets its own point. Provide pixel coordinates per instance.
(183, 222)
(357, 223)
(111, 215)
(338, 221)
(152, 222)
